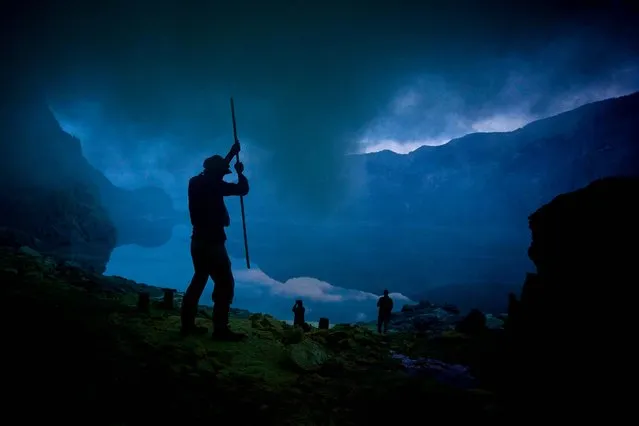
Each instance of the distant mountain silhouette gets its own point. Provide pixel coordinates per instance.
(450, 214)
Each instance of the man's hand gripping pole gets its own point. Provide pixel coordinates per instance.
(237, 160)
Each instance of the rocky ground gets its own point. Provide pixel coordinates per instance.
(78, 350)
(434, 319)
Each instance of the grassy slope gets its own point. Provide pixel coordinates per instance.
(76, 350)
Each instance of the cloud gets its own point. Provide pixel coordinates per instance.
(432, 110)
(406, 101)
(306, 288)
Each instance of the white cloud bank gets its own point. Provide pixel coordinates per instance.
(306, 288)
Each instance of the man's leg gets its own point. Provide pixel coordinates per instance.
(201, 266)
(223, 292)
(379, 324)
(386, 322)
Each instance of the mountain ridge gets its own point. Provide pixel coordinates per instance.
(470, 197)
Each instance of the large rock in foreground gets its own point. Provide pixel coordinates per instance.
(573, 324)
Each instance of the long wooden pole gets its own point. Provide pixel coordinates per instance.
(237, 159)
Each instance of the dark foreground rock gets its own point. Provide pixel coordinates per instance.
(76, 343)
(584, 245)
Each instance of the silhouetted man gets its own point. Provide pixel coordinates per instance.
(298, 313)
(209, 217)
(385, 307)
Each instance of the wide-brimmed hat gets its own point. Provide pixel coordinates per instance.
(217, 164)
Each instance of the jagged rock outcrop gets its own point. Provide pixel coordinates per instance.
(54, 200)
(573, 324)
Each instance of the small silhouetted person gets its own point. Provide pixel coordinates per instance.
(298, 313)
(385, 307)
(209, 217)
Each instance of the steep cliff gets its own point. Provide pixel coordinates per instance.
(54, 199)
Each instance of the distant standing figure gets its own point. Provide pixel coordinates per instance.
(298, 313)
(209, 217)
(385, 307)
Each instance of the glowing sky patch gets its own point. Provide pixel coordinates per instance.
(501, 123)
(398, 147)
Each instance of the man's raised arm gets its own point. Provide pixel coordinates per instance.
(235, 148)
(241, 188)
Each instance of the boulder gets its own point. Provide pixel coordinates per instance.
(308, 355)
(473, 324)
(584, 249)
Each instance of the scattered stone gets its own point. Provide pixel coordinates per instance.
(168, 300)
(144, 301)
(323, 324)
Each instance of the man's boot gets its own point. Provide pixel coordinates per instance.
(188, 322)
(221, 329)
